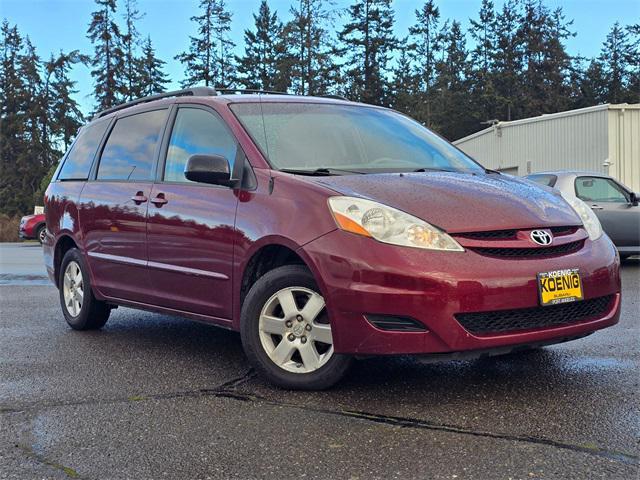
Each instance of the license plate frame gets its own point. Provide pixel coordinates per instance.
(559, 286)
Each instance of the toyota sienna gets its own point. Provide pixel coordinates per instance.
(321, 230)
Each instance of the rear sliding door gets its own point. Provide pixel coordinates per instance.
(114, 206)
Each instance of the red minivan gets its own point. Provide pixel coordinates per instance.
(322, 230)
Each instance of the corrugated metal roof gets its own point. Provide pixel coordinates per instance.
(550, 116)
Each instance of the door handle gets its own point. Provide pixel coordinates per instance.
(139, 198)
(596, 207)
(159, 200)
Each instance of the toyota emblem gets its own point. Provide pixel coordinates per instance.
(541, 237)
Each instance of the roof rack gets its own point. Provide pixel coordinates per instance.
(195, 91)
(249, 91)
(198, 92)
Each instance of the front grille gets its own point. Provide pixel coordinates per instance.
(500, 321)
(491, 235)
(529, 252)
(560, 231)
(511, 234)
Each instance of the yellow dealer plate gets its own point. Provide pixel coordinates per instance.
(559, 286)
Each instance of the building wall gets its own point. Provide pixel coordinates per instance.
(624, 145)
(584, 139)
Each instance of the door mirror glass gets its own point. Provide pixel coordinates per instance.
(633, 199)
(212, 169)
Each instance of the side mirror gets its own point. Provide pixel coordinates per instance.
(633, 198)
(212, 169)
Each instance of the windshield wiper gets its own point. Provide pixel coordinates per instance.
(319, 171)
(488, 170)
(430, 169)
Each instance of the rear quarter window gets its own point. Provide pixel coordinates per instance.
(77, 163)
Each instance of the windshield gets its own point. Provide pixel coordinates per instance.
(312, 136)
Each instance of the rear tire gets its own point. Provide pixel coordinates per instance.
(287, 343)
(80, 308)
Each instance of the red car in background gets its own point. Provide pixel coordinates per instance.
(321, 230)
(32, 227)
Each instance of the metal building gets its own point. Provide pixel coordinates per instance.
(604, 139)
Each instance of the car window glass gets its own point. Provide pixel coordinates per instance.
(197, 131)
(309, 136)
(78, 162)
(129, 151)
(598, 189)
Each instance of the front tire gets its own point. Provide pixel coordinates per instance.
(80, 308)
(40, 233)
(286, 332)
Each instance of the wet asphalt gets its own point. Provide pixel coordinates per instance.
(152, 396)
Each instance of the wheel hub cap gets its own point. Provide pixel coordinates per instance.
(294, 330)
(73, 289)
(298, 329)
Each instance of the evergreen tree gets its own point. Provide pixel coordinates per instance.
(37, 155)
(150, 75)
(452, 115)
(591, 85)
(633, 60)
(369, 43)
(545, 62)
(210, 59)
(427, 43)
(64, 115)
(108, 62)
(12, 124)
(263, 64)
(482, 32)
(130, 43)
(405, 83)
(309, 61)
(614, 56)
(508, 61)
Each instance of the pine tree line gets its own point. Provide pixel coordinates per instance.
(38, 117)
(124, 66)
(511, 63)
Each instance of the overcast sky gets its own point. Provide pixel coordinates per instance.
(61, 24)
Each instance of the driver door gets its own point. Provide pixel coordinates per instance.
(612, 205)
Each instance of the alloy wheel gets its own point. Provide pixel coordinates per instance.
(73, 288)
(295, 331)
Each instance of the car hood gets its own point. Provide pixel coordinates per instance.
(459, 202)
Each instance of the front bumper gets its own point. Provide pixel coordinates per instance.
(360, 276)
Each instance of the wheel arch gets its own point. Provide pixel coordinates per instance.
(63, 245)
(265, 257)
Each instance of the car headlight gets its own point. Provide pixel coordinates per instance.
(388, 225)
(589, 220)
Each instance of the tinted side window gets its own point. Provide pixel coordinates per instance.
(598, 189)
(129, 151)
(78, 162)
(197, 131)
